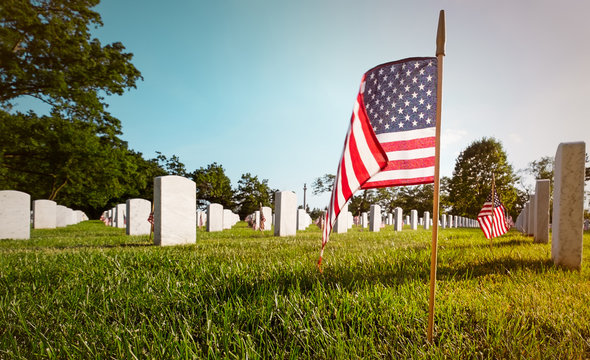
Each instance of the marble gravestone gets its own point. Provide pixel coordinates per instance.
(542, 195)
(227, 219)
(426, 220)
(138, 211)
(375, 218)
(301, 219)
(44, 216)
(120, 216)
(341, 224)
(61, 216)
(531, 217)
(175, 213)
(285, 213)
(364, 220)
(398, 224)
(214, 217)
(414, 219)
(568, 205)
(267, 215)
(15, 215)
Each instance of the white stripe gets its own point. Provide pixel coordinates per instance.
(403, 174)
(407, 135)
(410, 154)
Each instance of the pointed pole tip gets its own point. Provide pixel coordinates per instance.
(441, 34)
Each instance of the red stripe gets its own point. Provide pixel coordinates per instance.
(410, 164)
(374, 146)
(345, 189)
(421, 143)
(360, 171)
(398, 182)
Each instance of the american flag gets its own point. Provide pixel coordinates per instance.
(492, 217)
(150, 218)
(392, 134)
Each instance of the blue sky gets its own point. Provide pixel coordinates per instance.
(267, 87)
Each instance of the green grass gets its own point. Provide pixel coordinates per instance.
(89, 291)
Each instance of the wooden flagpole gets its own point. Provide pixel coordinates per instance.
(440, 53)
(493, 208)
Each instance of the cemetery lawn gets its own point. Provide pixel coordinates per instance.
(89, 291)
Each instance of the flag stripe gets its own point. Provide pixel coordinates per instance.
(412, 144)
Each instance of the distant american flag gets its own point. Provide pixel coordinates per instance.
(492, 217)
(392, 134)
(150, 218)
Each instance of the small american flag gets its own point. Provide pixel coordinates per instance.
(492, 217)
(392, 135)
(150, 218)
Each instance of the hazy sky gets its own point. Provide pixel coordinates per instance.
(267, 87)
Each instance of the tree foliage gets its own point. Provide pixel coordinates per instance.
(252, 193)
(323, 184)
(54, 158)
(472, 179)
(47, 52)
(213, 186)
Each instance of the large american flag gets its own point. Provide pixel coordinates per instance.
(492, 217)
(391, 139)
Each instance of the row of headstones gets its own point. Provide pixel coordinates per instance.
(217, 218)
(131, 216)
(374, 220)
(568, 207)
(175, 216)
(16, 215)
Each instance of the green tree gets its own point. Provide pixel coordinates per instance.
(472, 179)
(171, 165)
(251, 194)
(323, 184)
(213, 186)
(47, 52)
(54, 158)
(361, 202)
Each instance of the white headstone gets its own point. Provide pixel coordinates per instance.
(399, 224)
(542, 211)
(120, 216)
(267, 213)
(228, 221)
(175, 213)
(531, 213)
(285, 213)
(138, 211)
(341, 225)
(375, 218)
(62, 214)
(301, 219)
(364, 220)
(443, 221)
(427, 220)
(214, 217)
(44, 214)
(568, 205)
(414, 219)
(15, 215)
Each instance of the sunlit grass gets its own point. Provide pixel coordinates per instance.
(89, 291)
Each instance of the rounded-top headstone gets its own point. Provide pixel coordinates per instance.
(175, 212)
(138, 212)
(15, 215)
(44, 214)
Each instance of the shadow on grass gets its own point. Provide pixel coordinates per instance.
(495, 244)
(90, 246)
(394, 275)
